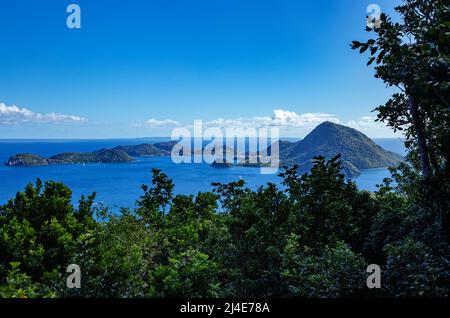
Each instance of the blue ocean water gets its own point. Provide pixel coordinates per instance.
(118, 185)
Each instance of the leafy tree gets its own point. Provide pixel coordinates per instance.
(413, 270)
(156, 197)
(188, 274)
(337, 272)
(414, 57)
(415, 211)
(20, 285)
(118, 260)
(328, 208)
(186, 229)
(256, 223)
(42, 230)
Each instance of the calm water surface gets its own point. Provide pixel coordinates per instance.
(118, 185)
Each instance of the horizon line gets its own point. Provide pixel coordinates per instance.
(136, 138)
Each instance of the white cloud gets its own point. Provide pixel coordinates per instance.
(161, 123)
(291, 124)
(10, 115)
(366, 121)
(299, 125)
(280, 118)
(369, 126)
(285, 118)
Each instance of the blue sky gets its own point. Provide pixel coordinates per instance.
(138, 68)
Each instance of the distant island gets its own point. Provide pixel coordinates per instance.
(114, 155)
(216, 164)
(358, 152)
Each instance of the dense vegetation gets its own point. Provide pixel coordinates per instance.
(312, 238)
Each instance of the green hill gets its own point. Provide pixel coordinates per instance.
(115, 155)
(158, 149)
(358, 152)
(104, 156)
(27, 159)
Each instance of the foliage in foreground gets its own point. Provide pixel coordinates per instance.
(313, 238)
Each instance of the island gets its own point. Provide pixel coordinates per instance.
(118, 154)
(358, 152)
(221, 165)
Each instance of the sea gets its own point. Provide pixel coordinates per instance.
(119, 185)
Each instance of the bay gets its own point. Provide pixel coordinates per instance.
(118, 185)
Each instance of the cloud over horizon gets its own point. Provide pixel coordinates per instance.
(161, 122)
(369, 126)
(280, 118)
(291, 124)
(13, 115)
